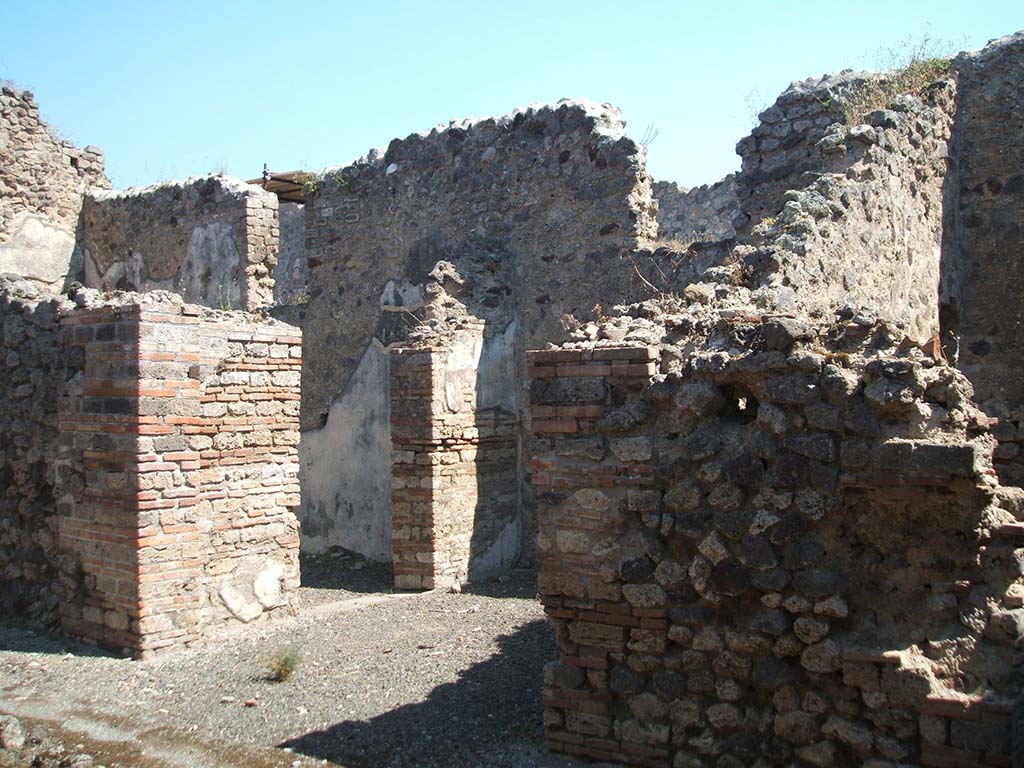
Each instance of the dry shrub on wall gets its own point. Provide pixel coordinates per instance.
(908, 67)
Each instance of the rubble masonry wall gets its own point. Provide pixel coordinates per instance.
(704, 213)
(780, 552)
(212, 240)
(36, 576)
(848, 214)
(983, 265)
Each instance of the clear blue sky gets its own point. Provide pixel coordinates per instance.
(180, 88)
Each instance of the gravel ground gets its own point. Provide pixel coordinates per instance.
(384, 679)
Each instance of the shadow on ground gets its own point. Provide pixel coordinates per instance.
(477, 721)
(24, 636)
(340, 569)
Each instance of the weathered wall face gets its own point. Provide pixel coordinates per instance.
(865, 227)
(35, 575)
(42, 180)
(520, 220)
(983, 267)
(553, 191)
(149, 466)
(706, 213)
(291, 273)
(212, 240)
(788, 547)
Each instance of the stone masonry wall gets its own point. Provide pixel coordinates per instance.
(523, 218)
(455, 497)
(186, 422)
(983, 268)
(42, 180)
(862, 223)
(786, 545)
(704, 213)
(35, 575)
(212, 240)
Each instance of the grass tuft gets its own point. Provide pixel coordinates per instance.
(284, 661)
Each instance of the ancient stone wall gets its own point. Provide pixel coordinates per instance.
(520, 220)
(212, 240)
(785, 545)
(983, 272)
(705, 213)
(455, 498)
(42, 180)
(35, 575)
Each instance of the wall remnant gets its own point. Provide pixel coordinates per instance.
(861, 224)
(786, 542)
(705, 213)
(455, 498)
(776, 548)
(213, 240)
(149, 464)
(522, 219)
(42, 181)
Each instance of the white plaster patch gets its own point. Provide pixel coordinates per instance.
(267, 586)
(38, 251)
(241, 607)
(345, 467)
(401, 296)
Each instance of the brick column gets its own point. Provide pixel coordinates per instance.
(261, 235)
(455, 467)
(188, 426)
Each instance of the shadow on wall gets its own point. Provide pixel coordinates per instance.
(981, 269)
(484, 718)
(497, 519)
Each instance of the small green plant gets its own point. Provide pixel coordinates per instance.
(314, 181)
(282, 663)
(311, 184)
(907, 68)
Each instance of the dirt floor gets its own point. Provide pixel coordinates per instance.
(383, 680)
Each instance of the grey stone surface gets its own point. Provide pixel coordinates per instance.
(983, 272)
(704, 213)
(291, 273)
